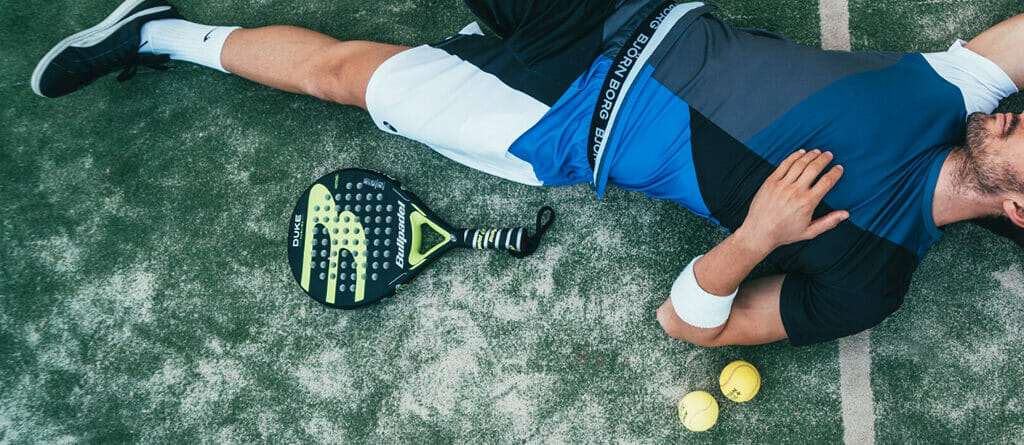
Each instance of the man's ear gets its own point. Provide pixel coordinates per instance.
(1014, 211)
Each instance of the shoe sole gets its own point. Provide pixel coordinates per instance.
(108, 24)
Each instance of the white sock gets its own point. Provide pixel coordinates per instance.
(183, 40)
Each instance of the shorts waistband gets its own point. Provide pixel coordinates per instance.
(612, 90)
(634, 53)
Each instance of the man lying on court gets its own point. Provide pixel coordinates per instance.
(668, 100)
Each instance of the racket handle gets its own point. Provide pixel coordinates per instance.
(503, 239)
(517, 241)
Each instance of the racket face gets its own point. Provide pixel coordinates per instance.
(355, 238)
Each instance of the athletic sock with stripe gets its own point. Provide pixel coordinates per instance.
(184, 40)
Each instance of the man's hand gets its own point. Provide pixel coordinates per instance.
(783, 208)
(781, 213)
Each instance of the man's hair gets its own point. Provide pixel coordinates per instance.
(1002, 226)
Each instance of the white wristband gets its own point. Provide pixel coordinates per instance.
(694, 305)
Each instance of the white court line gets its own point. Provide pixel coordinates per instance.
(855, 351)
(855, 388)
(835, 24)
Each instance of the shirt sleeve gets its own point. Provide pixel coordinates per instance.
(981, 82)
(813, 311)
(860, 288)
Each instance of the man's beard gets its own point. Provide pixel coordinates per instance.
(980, 170)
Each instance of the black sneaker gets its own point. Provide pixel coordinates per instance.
(90, 54)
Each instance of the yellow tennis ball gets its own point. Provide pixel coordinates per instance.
(698, 411)
(740, 381)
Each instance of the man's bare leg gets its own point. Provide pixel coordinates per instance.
(302, 61)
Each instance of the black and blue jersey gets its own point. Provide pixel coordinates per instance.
(701, 115)
(715, 109)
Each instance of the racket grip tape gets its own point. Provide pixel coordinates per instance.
(518, 241)
(504, 239)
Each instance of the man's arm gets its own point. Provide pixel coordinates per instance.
(755, 318)
(781, 213)
(1004, 45)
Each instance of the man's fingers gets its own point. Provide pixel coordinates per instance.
(786, 164)
(826, 182)
(801, 164)
(826, 223)
(814, 168)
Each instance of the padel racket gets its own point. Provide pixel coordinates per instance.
(356, 236)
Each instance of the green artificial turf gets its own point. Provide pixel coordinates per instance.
(947, 367)
(146, 295)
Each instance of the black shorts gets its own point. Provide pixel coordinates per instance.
(472, 96)
(544, 45)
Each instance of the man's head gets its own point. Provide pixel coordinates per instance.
(992, 161)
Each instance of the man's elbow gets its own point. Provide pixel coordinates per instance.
(678, 329)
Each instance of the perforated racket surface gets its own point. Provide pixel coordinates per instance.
(356, 236)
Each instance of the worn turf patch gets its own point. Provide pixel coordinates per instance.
(947, 366)
(923, 25)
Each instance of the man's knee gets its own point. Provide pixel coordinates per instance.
(342, 72)
(329, 75)
(678, 329)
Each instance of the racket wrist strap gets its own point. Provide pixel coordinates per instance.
(531, 242)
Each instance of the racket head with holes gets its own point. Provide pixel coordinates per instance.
(357, 235)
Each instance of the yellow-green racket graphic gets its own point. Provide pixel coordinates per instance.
(357, 235)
